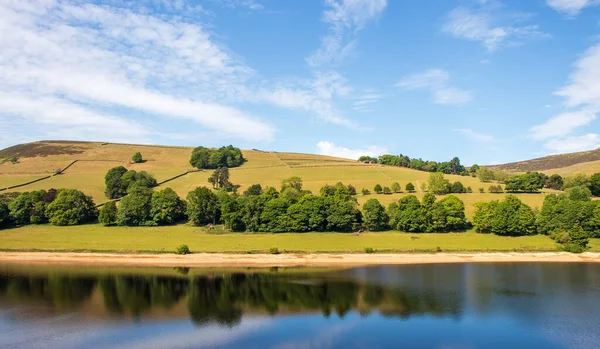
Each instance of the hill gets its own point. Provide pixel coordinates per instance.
(587, 162)
(89, 162)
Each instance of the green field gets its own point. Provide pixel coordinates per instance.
(96, 237)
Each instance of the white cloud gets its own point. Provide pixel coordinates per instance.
(574, 144)
(244, 4)
(562, 125)
(489, 27)
(364, 102)
(583, 88)
(436, 81)
(330, 149)
(570, 7)
(481, 137)
(345, 19)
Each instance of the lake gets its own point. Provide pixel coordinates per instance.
(505, 305)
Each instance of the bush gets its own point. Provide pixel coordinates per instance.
(496, 189)
(369, 250)
(410, 187)
(274, 250)
(208, 158)
(183, 249)
(378, 189)
(438, 249)
(137, 158)
(387, 190)
(481, 190)
(108, 214)
(13, 160)
(366, 191)
(71, 207)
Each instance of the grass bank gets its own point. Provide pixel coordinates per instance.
(97, 238)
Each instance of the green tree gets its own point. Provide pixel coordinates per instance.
(220, 179)
(530, 182)
(351, 189)
(410, 188)
(578, 180)
(137, 158)
(579, 193)
(484, 216)
(134, 209)
(166, 207)
(458, 187)
(496, 189)
(343, 216)
(378, 189)
(71, 207)
(578, 240)
(108, 214)
(341, 192)
(501, 176)
(310, 213)
(438, 184)
(292, 182)
(253, 190)
(208, 158)
(595, 184)
(274, 216)
(28, 208)
(408, 216)
(449, 215)
(427, 206)
(473, 170)
(396, 188)
(513, 218)
(115, 188)
(485, 174)
(374, 215)
(555, 182)
(13, 159)
(202, 206)
(4, 214)
(560, 213)
(366, 191)
(387, 190)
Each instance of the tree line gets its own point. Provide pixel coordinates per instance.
(447, 167)
(212, 158)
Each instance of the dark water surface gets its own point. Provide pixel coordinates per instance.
(421, 306)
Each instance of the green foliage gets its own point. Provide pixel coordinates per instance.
(134, 209)
(496, 189)
(208, 158)
(450, 167)
(595, 184)
(119, 181)
(274, 250)
(555, 182)
(438, 184)
(560, 213)
(410, 188)
(473, 170)
(13, 159)
(71, 207)
(579, 193)
(578, 180)
(137, 158)
(253, 190)
(292, 182)
(457, 188)
(513, 218)
(203, 207)
(182, 249)
(448, 215)
(366, 191)
(484, 216)
(166, 207)
(485, 174)
(482, 190)
(378, 189)
(387, 190)
(374, 216)
(4, 214)
(369, 250)
(351, 190)
(407, 215)
(578, 240)
(501, 176)
(530, 182)
(220, 179)
(29, 208)
(367, 159)
(108, 214)
(396, 188)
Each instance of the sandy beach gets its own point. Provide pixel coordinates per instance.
(283, 260)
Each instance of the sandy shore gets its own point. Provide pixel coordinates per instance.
(282, 260)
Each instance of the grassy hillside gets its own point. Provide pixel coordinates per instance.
(564, 164)
(267, 168)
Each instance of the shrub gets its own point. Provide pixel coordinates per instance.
(496, 189)
(366, 191)
(137, 158)
(274, 250)
(253, 190)
(387, 190)
(481, 190)
(457, 187)
(410, 187)
(108, 214)
(438, 249)
(182, 249)
(13, 159)
(369, 250)
(71, 207)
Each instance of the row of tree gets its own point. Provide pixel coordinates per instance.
(212, 158)
(448, 167)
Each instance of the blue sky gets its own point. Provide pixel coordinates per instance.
(489, 81)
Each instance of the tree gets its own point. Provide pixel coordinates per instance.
(554, 182)
(341, 192)
(134, 209)
(513, 218)
(485, 174)
(473, 170)
(560, 213)
(253, 190)
(343, 216)
(220, 179)
(427, 206)
(578, 180)
(482, 190)
(374, 215)
(366, 191)
(595, 184)
(292, 182)
(115, 188)
(202, 206)
(578, 240)
(396, 188)
(208, 158)
(4, 214)
(408, 215)
(166, 207)
(351, 189)
(458, 187)
(449, 215)
(28, 208)
(378, 189)
(484, 216)
(108, 214)
(71, 207)
(501, 176)
(13, 159)
(530, 182)
(579, 193)
(438, 184)
(410, 188)
(137, 158)
(496, 189)
(387, 190)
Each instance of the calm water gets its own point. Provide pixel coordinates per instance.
(423, 306)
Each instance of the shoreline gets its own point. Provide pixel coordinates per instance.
(285, 260)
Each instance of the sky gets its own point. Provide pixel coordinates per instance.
(489, 81)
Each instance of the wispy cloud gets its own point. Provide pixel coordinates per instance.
(365, 101)
(477, 136)
(571, 7)
(243, 4)
(345, 18)
(437, 82)
(574, 144)
(490, 26)
(330, 149)
(562, 125)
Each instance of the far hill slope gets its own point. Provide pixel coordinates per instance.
(551, 164)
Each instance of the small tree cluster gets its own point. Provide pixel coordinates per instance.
(441, 186)
(410, 215)
(137, 158)
(530, 182)
(119, 181)
(495, 189)
(449, 167)
(509, 217)
(209, 158)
